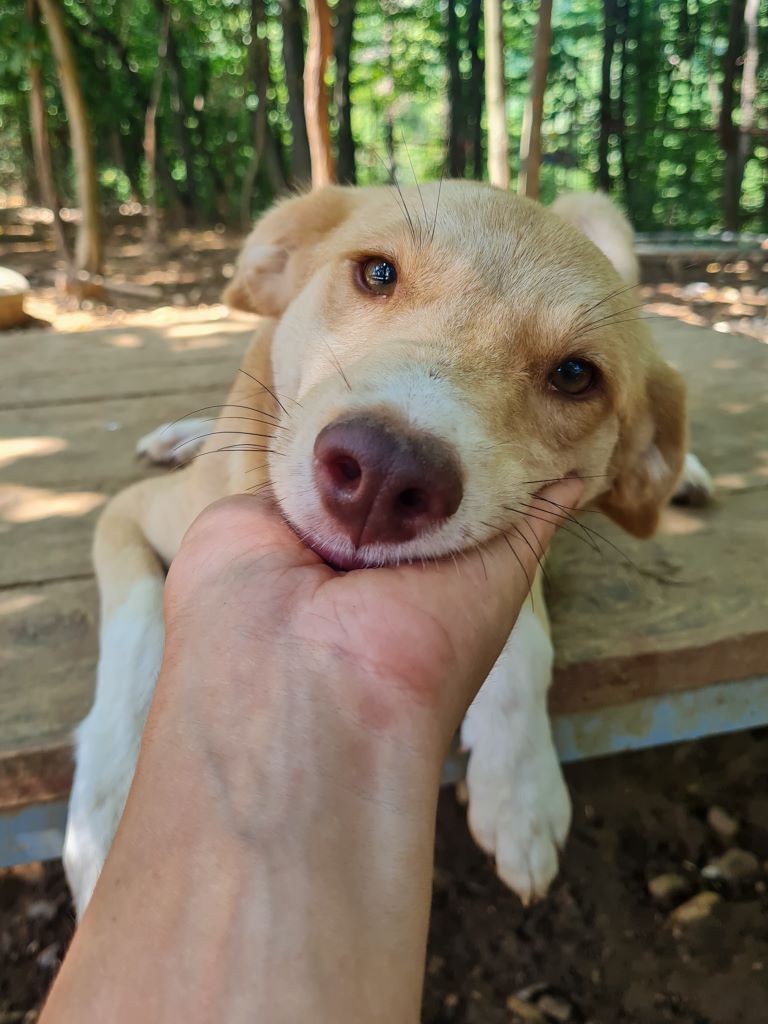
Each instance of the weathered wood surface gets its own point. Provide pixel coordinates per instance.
(694, 611)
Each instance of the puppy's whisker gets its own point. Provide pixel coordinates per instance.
(562, 511)
(244, 419)
(476, 542)
(236, 448)
(437, 204)
(611, 295)
(221, 405)
(399, 197)
(554, 521)
(337, 364)
(218, 433)
(415, 179)
(266, 388)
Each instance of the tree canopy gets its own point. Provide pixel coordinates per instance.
(664, 104)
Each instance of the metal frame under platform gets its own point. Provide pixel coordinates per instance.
(37, 832)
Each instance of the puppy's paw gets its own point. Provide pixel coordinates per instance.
(173, 444)
(521, 816)
(695, 486)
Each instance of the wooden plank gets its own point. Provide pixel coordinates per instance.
(48, 368)
(59, 463)
(47, 661)
(695, 613)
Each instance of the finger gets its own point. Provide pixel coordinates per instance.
(244, 524)
(479, 597)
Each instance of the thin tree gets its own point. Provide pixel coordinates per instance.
(498, 143)
(729, 133)
(319, 49)
(88, 247)
(610, 14)
(530, 139)
(457, 157)
(346, 169)
(150, 132)
(41, 146)
(476, 91)
(265, 154)
(292, 18)
(748, 87)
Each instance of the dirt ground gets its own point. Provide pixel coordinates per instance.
(605, 947)
(600, 949)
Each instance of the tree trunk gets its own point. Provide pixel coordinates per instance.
(181, 113)
(293, 57)
(498, 144)
(530, 140)
(748, 87)
(150, 133)
(476, 91)
(456, 112)
(610, 12)
(345, 142)
(88, 247)
(319, 48)
(729, 134)
(41, 148)
(266, 155)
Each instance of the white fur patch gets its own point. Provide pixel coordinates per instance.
(107, 741)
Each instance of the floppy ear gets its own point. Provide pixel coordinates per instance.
(649, 456)
(597, 217)
(276, 258)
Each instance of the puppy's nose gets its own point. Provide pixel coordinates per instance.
(383, 485)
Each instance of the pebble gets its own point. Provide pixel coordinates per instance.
(49, 958)
(41, 910)
(555, 1007)
(723, 823)
(696, 909)
(735, 865)
(668, 889)
(525, 1011)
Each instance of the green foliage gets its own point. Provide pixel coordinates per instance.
(664, 154)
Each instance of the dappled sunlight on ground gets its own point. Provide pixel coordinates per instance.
(22, 504)
(13, 449)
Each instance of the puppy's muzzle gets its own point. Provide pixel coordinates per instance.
(383, 484)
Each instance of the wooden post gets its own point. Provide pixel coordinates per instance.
(498, 146)
(530, 140)
(319, 49)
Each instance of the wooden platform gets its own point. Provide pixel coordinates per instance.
(691, 610)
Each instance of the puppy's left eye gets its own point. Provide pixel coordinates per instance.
(377, 275)
(574, 376)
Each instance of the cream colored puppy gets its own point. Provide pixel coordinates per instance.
(425, 363)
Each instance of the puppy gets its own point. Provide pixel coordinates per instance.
(425, 363)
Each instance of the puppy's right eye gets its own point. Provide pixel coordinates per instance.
(377, 276)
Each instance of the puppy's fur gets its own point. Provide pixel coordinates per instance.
(493, 293)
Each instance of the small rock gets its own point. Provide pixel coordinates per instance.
(735, 865)
(723, 823)
(696, 909)
(49, 958)
(555, 1007)
(41, 910)
(525, 1011)
(668, 889)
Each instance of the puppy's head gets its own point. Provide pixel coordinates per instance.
(440, 356)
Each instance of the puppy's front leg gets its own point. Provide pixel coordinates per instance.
(519, 808)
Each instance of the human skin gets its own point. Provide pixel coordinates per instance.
(274, 860)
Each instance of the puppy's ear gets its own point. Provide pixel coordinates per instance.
(276, 258)
(605, 225)
(649, 455)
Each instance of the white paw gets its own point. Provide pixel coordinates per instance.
(695, 486)
(174, 443)
(520, 814)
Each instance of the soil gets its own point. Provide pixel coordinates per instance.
(600, 949)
